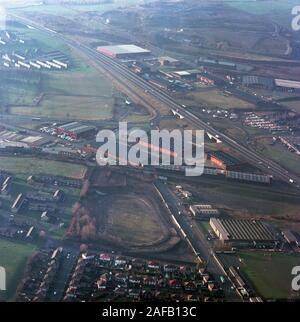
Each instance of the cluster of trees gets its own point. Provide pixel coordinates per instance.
(83, 225)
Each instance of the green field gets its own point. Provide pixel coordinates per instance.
(37, 166)
(75, 95)
(13, 257)
(270, 273)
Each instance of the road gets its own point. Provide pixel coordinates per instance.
(68, 262)
(195, 237)
(117, 70)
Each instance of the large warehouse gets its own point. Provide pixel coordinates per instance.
(123, 51)
(242, 231)
(285, 84)
(76, 130)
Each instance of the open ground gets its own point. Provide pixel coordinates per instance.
(33, 166)
(13, 257)
(270, 273)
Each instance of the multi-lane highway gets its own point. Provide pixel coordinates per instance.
(118, 70)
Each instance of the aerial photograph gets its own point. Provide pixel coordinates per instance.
(149, 153)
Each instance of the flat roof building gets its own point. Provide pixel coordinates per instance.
(203, 211)
(241, 231)
(290, 237)
(186, 74)
(258, 82)
(168, 61)
(287, 84)
(76, 130)
(249, 177)
(123, 51)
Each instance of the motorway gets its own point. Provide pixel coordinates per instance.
(116, 69)
(196, 238)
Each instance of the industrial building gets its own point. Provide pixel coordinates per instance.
(76, 130)
(291, 238)
(223, 160)
(216, 63)
(186, 74)
(168, 61)
(287, 85)
(249, 177)
(258, 82)
(242, 232)
(124, 51)
(12, 139)
(203, 211)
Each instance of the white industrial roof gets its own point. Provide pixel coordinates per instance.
(32, 139)
(287, 83)
(170, 59)
(182, 73)
(124, 49)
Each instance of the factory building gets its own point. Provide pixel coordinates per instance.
(287, 85)
(168, 61)
(258, 82)
(243, 232)
(124, 51)
(249, 177)
(191, 74)
(291, 238)
(203, 211)
(76, 130)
